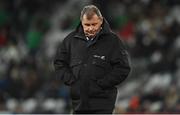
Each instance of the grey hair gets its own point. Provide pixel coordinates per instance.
(90, 10)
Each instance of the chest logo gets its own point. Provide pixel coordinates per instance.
(100, 57)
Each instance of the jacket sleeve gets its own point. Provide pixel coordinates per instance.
(120, 67)
(61, 64)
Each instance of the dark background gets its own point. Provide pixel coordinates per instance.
(30, 31)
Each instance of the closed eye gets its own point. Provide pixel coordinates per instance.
(94, 24)
(87, 24)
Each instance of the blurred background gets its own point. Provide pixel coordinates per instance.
(30, 31)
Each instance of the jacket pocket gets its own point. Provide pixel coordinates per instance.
(75, 67)
(75, 90)
(101, 67)
(95, 91)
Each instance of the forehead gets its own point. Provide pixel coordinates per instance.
(93, 19)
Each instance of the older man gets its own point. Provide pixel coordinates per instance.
(92, 61)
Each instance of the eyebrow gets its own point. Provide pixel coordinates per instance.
(90, 24)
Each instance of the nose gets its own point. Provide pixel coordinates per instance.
(90, 28)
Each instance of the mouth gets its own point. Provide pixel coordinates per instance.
(90, 34)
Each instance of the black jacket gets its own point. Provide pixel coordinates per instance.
(92, 69)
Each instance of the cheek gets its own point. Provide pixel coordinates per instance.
(97, 28)
(85, 29)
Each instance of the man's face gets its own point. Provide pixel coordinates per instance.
(92, 26)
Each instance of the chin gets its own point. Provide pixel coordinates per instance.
(91, 35)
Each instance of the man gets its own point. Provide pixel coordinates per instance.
(92, 61)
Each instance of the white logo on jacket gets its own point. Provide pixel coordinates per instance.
(100, 57)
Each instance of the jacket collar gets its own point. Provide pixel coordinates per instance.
(105, 30)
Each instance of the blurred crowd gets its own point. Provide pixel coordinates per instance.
(30, 31)
(27, 81)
